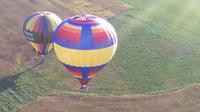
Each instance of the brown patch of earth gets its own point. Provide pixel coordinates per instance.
(186, 100)
(114, 6)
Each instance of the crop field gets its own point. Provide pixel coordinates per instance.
(158, 53)
(159, 45)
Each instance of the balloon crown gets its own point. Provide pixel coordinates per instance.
(84, 18)
(43, 13)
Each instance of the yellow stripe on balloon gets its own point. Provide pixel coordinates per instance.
(90, 77)
(78, 28)
(84, 58)
(34, 45)
(50, 47)
(77, 76)
(98, 27)
(30, 25)
(57, 21)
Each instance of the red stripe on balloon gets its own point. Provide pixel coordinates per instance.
(100, 36)
(93, 73)
(37, 25)
(84, 82)
(69, 35)
(75, 73)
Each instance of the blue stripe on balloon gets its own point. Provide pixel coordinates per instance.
(85, 70)
(43, 32)
(44, 24)
(79, 68)
(80, 47)
(86, 38)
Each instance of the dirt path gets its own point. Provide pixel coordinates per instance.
(186, 100)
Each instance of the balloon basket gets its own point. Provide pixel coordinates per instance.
(84, 88)
(42, 58)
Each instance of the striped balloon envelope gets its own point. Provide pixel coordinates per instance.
(84, 45)
(38, 30)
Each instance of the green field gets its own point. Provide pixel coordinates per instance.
(159, 50)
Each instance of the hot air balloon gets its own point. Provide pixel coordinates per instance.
(84, 45)
(38, 30)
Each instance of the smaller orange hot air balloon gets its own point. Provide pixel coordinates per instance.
(84, 45)
(38, 30)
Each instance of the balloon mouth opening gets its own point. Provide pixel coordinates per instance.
(84, 82)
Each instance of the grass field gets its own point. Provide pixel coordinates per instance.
(159, 50)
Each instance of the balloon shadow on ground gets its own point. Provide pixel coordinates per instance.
(9, 81)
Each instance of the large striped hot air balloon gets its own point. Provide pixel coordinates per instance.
(38, 30)
(84, 45)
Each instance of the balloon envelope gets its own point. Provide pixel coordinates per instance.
(84, 45)
(38, 30)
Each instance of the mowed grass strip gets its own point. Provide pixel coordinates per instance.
(25, 86)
